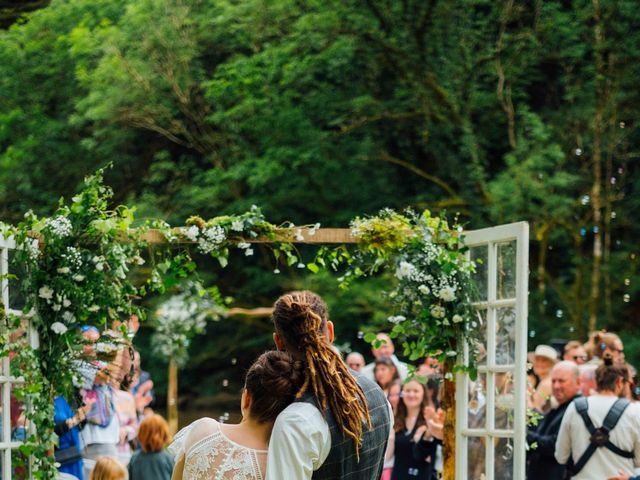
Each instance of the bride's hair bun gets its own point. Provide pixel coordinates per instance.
(273, 381)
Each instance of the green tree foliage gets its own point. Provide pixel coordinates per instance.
(322, 111)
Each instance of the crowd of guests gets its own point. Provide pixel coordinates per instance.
(107, 430)
(414, 449)
(590, 424)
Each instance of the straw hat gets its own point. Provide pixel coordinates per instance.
(546, 351)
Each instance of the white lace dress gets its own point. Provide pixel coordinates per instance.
(210, 455)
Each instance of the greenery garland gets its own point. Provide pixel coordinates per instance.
(79, 271)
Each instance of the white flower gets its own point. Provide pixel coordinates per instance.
(211, 238)
(60, 226)
(452, 353)
(448, 376)
(448, 294)
(56, 307)
(63, 270)
(302, 265)
(405, 270)
(46, 293)
(299, 236)
(93, 308)
(68, 317)
(437, 311)
(33, 249)
(396, 319)
(58, 328)
(138, 260)
(276, 271)
(66, 302)
(191, 233)
(237, 226)
(457, 318)
(243, 245)
(78, 278)
(100, 266)
(312, 230)
(248, 252)
(423, 289)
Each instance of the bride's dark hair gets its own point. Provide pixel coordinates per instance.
(273, 381)
(300, 319)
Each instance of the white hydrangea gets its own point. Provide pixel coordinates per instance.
(211, 238)
(423, 289)
(437, 311)
(405, 270)
(191, 233)
(60, 226)
(45, 292)
(448, 294)
(397, 319)
(68, 317)
(59, 328)
(237, 226)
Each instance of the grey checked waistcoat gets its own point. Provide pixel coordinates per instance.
(341, 463)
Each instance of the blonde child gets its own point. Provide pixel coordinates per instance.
(108, 468)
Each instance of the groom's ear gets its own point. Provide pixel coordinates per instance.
(330, 331)
(278, 341)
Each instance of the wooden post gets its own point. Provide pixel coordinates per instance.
(449, 439)
(172, 398)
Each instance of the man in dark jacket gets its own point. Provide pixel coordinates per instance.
(541, 463)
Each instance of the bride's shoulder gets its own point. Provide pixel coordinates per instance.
(190, 435)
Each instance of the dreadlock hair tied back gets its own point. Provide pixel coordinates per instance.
(300, 320)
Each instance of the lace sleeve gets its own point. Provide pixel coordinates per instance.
(186, 438)
(177, 448)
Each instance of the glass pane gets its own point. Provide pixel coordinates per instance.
(505, 401)
(481, 325)
(506, 270)
(18, 422)
(505, 336)
(20, 465)
(480, 255)
(477, 401)
(475, 458)
(504, 459)
(16, 299)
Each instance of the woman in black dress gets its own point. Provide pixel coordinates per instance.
(414, 448)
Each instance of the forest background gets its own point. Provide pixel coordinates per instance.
(321, 111)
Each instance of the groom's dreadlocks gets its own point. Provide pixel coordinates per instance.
(300, 319)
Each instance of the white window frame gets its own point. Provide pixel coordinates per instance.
(7, 446)
(491, 238)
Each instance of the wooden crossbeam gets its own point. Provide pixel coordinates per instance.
(306, 235)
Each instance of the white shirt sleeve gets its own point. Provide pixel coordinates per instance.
(563, 443)
(300, 443)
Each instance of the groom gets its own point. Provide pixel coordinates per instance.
(340, 424)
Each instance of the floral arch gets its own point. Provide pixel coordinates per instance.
(77, 268)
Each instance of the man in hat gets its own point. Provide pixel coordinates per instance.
(545, 357)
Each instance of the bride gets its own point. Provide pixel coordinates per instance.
(208, 450)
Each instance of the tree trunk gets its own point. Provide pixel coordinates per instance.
(172, 398)
(596, 190)
(542, 235)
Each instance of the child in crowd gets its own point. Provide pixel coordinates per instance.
(153, 461)
(108, 468)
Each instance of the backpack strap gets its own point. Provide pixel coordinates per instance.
(611, 420)
(600, 436)
(582, 407)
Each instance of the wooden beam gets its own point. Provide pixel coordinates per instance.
(293, 235)
(249, 312)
